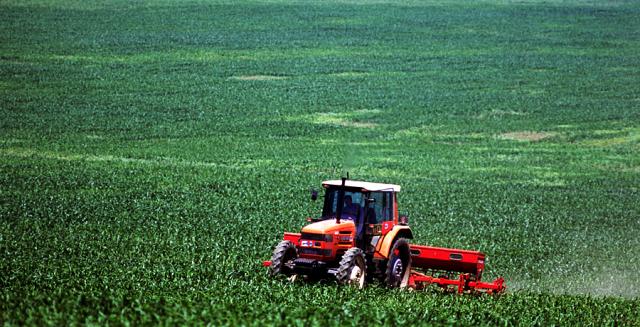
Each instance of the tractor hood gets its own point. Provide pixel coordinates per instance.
(329, 226)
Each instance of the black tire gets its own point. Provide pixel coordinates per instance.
(399, 264)
(283, 253)
(353, 268)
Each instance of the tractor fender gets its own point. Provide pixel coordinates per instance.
(398, 231)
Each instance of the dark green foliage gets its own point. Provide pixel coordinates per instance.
(153, 152)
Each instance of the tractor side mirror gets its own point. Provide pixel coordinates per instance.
(404, 219)
(314, 195)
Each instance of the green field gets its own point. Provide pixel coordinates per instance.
(153, 152)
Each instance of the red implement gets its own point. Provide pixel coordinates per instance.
(468, 265)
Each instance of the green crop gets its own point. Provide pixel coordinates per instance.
(153, 152)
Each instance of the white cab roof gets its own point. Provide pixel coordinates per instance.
(372, 187)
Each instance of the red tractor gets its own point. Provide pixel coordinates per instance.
(360, 237)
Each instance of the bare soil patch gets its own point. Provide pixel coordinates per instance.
(257, 77)
(345, 120)
(350, 74)
(527, 136)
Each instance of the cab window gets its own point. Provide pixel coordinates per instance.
(382, 207)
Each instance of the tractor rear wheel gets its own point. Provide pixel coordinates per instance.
(282, 254)
(399, 264)
(352, 269)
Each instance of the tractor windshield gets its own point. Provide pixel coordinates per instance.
(353, 204)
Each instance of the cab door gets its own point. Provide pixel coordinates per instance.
(379, 213)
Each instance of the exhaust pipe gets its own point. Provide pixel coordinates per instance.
(340, 200)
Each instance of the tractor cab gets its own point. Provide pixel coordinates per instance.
(366, 204)
(359, 202)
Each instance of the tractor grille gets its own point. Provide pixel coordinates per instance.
(316, 237)
(313, 251)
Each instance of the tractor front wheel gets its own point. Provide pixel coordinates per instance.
(283, 254)
(399, 264)
(352, 269)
